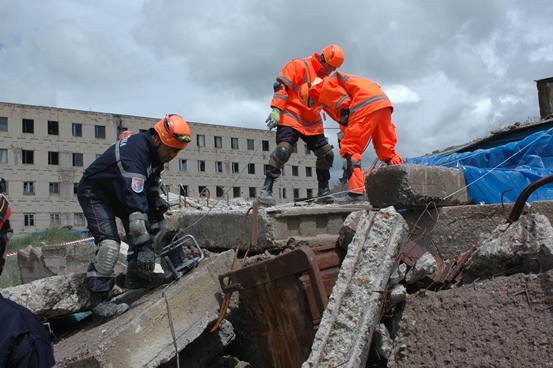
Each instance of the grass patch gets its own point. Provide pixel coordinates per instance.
(11, 276)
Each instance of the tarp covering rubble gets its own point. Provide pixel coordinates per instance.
(500, 174)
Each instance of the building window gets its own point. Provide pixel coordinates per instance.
(53, 127)
(183, 190)
(200, 140)
(28, 126)
(251, 168)
(235, 167)
(54, 188)
(219, 191)
(100, 131)
(296, 193)
(78, 219)
(295, 171)
(309, 171)
(218, 142)
(218, 167)
(77, 130)
(201, 165)
(252, 192)
(53, 158)
(234, 143)
(309, 193)
(75, 188)
(3, 156)
(27, 157)
(55, 219)
(183, 165)
(3, 124)
(283, 192)
(251, 145)
(28, 187)
(265, 145)
(236, 192)
(28, 219)
(306, 150)
(77, 159)
(202, 190)
(296, 147)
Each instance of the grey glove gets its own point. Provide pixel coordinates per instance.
(146, 259)
(273, 118)
(347, 167)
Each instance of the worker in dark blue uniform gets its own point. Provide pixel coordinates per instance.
(24, 340)
(124, 182)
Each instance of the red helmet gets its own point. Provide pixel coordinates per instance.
(173, 131)
(334, 56)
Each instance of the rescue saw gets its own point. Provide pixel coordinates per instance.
(175, 260)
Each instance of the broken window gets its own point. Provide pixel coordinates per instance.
(27, 157)
(53, 158)
(28, 126)
(53, 127)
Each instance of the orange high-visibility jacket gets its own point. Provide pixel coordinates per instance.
(293, 113)
(346, 91)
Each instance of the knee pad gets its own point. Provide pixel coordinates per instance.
(281, 154)
(325, 157)
(106, 257)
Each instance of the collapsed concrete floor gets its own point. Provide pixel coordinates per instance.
(495, 310)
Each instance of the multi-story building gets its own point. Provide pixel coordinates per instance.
(44, 151)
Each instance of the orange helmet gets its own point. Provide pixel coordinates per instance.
(125, 133)
(334, 56)
(173, 131)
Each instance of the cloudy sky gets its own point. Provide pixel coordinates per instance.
(454, 70)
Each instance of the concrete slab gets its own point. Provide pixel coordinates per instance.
(415, 186)
(142, 337)
(354, 308)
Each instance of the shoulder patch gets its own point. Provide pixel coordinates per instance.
(137, 185)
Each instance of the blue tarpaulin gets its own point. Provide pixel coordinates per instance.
(501, 173)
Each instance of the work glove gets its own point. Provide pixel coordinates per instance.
(344, 116)
(146, 260)
(157, 203)
(395, 160)
(273, 119)
(347, 167)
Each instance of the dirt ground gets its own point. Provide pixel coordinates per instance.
(501, 322)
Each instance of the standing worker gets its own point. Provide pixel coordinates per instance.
(293, 120)
(363, 111)
(124, 182)
(24, 340)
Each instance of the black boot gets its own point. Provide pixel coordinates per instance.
(136, 279)
(323, 194)
(266, 193)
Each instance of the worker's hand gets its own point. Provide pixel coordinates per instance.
(344, 117)
(347, 167)
(395, 160)
(146, 259)
(157, 203)
(273, 119)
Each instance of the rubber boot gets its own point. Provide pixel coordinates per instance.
(265, 197)
(323, 194)
(136, 279)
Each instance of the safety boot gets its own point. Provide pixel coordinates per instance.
(265, 196)
(136, 279)
(351, 198)
(323, 193)
(103, 307)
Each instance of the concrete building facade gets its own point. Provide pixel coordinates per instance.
(44, 151)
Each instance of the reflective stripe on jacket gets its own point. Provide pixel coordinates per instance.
(293, 113)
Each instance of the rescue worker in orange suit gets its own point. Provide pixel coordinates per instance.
(363, 111)
(293, 120)
(125, 183)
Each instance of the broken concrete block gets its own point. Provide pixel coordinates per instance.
(524, 246)
(415, 186)
(347, 231)
(143, 336)
(382, 341)
(426, 265)
(354, 308)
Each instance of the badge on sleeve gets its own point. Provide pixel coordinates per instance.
(137, 184)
